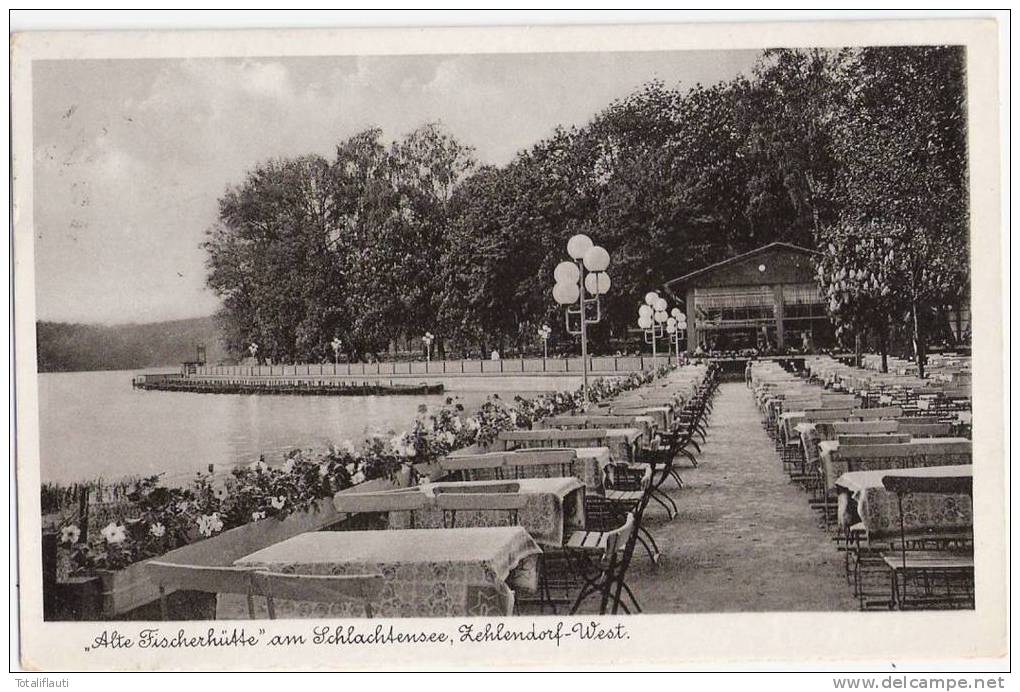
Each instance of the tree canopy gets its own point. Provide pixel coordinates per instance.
(816, 147)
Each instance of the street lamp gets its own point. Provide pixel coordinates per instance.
(652, 318)
(676, 324)
(543, 333)
(336, 344)
(576, 280)
(428, 338)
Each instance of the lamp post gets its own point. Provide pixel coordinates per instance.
(428, 338)
(652, 318)
(676, 324)
(575, 281)
(543, 333)
(336, 344)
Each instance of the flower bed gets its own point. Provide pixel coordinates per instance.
(154, 519)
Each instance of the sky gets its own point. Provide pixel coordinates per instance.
(130, 156)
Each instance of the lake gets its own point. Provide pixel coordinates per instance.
(94, 424)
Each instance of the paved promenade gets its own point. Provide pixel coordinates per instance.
(745, 538)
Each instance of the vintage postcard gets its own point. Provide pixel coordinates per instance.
(527, 347)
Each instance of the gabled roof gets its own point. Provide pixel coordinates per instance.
(739, 258)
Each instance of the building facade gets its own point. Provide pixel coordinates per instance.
(766, 299)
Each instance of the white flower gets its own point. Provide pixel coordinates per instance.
(256, 516)
(208, 524)
(351, 468)
(323, 470)
(183, 506)
(449, 438)
(458, 424)
(114, 533)
(288, 465)
(348, 447)
(157, 530)
(278, 502)
(359, 477)
(70, 534)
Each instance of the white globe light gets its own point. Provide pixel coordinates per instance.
(675, 312)
(680, 317)
(596, 283)
(651, 297)
(566, 273)
(660, 305)
(671, 322)
(681, 324)
(596, 259)
(578, 246)
(566, 294)
(671, 328)
(604, 283)
(644, 322)
(660, 316)
(644, 311)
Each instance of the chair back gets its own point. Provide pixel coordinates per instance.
(475, 467)
(452, 503)
(357, 503)
(926, 429)
(872, 439)
(877, 413)
(826, 414)
(867, 427)
(169, 576)
(589, 437)
(361, 589)
(541, 463)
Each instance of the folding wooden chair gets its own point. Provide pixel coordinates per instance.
(169, 577)
(361, 589)
(927, 568)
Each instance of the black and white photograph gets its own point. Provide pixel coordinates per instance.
(506, 335)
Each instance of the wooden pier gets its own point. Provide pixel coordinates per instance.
(174, 382)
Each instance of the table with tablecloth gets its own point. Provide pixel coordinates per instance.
(426, 572)
(921, 452)
(553, 507)
(863, 497)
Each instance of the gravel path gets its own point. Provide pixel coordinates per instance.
(745, 538)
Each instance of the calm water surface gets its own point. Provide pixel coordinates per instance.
(94, 424)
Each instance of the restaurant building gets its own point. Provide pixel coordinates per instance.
(766, 299)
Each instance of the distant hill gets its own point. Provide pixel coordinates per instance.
(63, 346)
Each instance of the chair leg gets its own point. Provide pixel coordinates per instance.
(162, 603)
(669, 510)
(676, 476)
(654, 553)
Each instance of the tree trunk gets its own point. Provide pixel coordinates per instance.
(918, 338)
(883, 344)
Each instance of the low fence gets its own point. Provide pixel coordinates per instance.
(525, 366)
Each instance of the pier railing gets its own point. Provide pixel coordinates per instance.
(522, 366)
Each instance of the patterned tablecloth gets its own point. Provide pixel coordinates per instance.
(552, 506)
(426, 572)
(590, 466)
(918, 453)
(622, 442)
(863, 497)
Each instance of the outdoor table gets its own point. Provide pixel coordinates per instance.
(426, 572)
(619, 440)
(921, 452)
(552, 507)
(863, 497)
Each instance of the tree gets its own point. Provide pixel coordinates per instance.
(902, 149)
